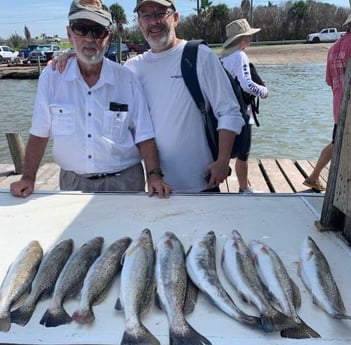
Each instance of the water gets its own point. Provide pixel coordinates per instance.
(296, 119)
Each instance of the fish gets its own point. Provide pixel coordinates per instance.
(18, 280)
(281, 287)
(99, 279)
(239, 268)
(70, 282)
(137, 289)
(172, 283)
(315, 272)
(44, 282)
(201, 267)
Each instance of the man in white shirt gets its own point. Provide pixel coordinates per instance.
(184, 153)
(96, 115)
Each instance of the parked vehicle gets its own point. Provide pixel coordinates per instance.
(112, 52)
(43, 52)
(138, 48)
(7, 54)
(325, 35)
(23, 53)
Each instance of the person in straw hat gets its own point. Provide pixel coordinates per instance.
(235, 60)
(338, 55)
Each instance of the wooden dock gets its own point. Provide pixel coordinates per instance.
(265, 175)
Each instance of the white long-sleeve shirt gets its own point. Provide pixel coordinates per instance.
(179, 129)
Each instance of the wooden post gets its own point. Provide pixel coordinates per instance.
(17, 150)
(332, 218)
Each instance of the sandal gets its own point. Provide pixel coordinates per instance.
(317, 185)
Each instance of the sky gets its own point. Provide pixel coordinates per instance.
(50, 17)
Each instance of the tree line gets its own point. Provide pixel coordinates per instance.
(291, 20)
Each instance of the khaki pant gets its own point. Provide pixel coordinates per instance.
(129, 180)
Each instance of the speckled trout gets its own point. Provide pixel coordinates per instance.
(239, 268)
(44, 282)
(99, 279)
(201, 267)
(172, 284)
(18, 280)
(314, 270)
(137, 289)
(286, 293)
(70, 282)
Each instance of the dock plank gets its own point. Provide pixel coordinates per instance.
(292, 174)
(257, 180)
(275, 176)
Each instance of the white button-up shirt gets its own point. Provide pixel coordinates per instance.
(88, 136)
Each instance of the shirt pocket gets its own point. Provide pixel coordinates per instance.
(116, 125)
(63, 120)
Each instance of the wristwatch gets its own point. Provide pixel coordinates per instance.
(156, 171)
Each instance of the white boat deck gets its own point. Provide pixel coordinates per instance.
(281, 221)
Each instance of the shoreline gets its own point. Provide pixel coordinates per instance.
(288, 54)
(259, 55)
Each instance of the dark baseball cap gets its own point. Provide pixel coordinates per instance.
(166, 3)
(94, 10)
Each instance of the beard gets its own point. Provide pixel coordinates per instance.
(164, 39)
(88, 57)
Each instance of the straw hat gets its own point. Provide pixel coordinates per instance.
(236, 29)
(348, 20)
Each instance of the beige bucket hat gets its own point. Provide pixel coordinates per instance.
(236, 29)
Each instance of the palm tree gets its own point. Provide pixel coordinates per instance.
(119, 17)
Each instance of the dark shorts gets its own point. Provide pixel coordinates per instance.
(334, 133)
(242, 143)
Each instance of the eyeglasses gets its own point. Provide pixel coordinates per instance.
(162, 15)
(97, 31)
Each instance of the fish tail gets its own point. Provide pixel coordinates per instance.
(139, 336)
(341, 316)
(84, 316)
(252, 321)
(276, 321)
(23, 314)
(55, 317)
(5, 321)
(301, 331)
(187, 335)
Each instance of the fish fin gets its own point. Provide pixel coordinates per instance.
(118, 305)
(252, 321)
(55, 317)
(5, 321)
(276, 321)
(158, 302)
(302, 331)
(187, 335)
(85, 316)
(23, 314)
(296, 294)
(139, 335)
(191, 297)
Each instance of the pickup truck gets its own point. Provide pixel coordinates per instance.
(325, 35)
